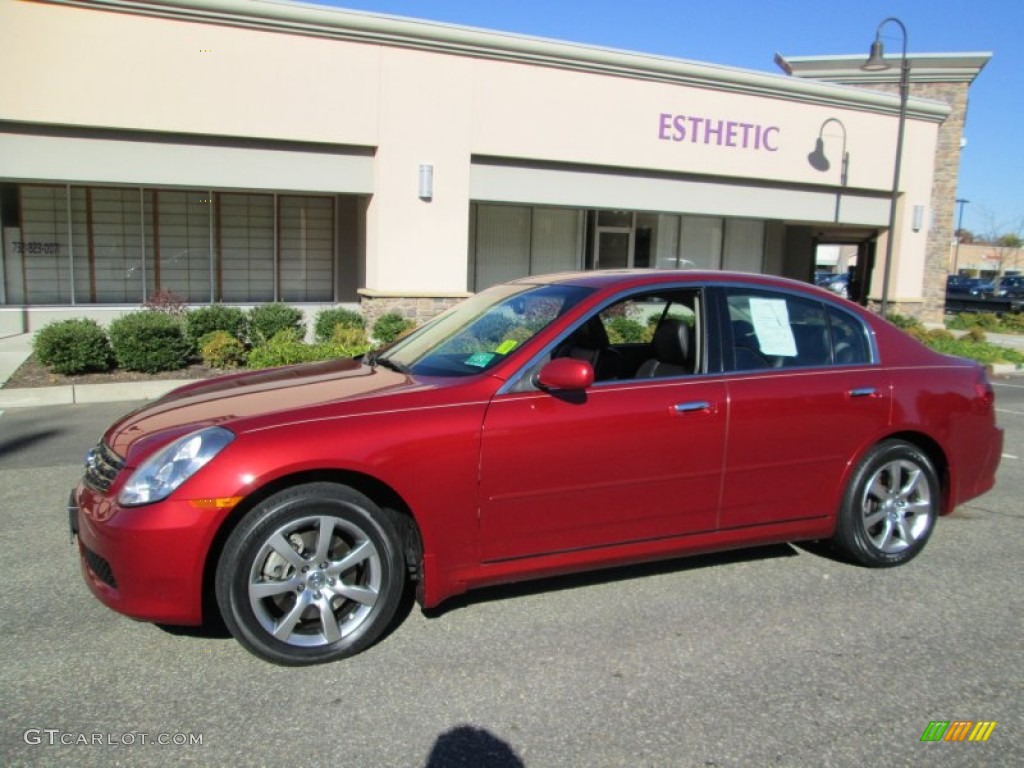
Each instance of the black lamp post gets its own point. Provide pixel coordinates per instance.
(876, 63)
(819, 161)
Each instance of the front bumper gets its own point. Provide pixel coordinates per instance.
(144, 562)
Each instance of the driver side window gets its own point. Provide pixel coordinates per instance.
(643, 336)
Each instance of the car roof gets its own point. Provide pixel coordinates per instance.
(629, 278)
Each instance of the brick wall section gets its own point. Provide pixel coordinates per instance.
(943, 200)
(419, 310)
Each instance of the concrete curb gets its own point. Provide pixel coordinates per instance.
(74, 394)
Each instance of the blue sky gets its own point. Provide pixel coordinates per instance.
(747, 33)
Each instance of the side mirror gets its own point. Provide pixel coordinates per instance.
(566, 374)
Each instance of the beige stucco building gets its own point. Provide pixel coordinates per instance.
(247, 151)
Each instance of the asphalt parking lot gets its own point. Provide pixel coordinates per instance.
(776, 656)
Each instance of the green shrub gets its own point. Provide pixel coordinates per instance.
(975, 334)
(347, 342)
(904, 321)
(989, 321)
(391, 327)
(218, 317)
(73, 346)
(220, 349)
(625, 330)
(267, 320)
(328, 320)
(149, 341)
(1013, 322)
(284, 348)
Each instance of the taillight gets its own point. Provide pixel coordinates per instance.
(983, 389)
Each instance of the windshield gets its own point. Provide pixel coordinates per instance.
(478, 333)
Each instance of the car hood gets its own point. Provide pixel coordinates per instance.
(256, 398)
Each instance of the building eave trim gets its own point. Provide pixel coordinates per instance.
(376, 29)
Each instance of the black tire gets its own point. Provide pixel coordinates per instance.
(890, 507)
(312, 574)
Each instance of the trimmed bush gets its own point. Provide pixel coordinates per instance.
(220, 349)
(218, 317)
(150, 342)
(73, 346)
(328, 320)
(348, 342)
(284, 348)
(625, 330)
(267, 320)
(391, 327)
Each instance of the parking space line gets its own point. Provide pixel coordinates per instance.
(1010, 386)
(1012, 413)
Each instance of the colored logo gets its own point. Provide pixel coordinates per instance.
(958, 730)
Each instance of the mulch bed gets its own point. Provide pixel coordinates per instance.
(33, 374)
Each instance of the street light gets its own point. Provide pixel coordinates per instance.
(876, 63)
(959, 228)
(820, 162)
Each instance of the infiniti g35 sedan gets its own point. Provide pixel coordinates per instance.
(549, 425)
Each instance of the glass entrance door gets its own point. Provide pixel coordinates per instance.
(614, 239)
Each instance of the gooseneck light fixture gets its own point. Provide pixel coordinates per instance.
(819, 160)
(876, 63)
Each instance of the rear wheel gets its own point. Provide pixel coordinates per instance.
(313, 574)
(890, 506)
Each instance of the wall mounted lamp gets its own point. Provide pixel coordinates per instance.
(819, 161)
(426, 185)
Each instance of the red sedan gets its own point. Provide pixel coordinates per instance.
(545, 426)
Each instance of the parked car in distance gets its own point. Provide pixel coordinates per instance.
(1011, 287)
(545, 426)
(959, 285)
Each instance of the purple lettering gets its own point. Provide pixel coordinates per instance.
(728, 133)
(680, 125)
(746, 133)
(708, 131)
(695, 123)
(663, 124)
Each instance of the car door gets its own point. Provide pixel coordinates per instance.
(628, 459)
(805, 399)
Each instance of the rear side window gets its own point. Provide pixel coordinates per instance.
(849, 339)
(777, 330)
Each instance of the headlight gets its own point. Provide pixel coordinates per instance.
(159, 475)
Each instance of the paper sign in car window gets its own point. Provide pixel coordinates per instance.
(771, 324)
(506, 346)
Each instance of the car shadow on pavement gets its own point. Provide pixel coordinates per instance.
(11, 447)
(608, 575)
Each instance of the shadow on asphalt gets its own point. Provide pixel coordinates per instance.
(11, 447)
(470, 745)
(609, 575)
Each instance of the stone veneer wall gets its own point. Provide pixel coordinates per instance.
(941, 208)
(419, 309)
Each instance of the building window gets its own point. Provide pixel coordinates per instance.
(120, 245)
(306, 243)
(512, 241)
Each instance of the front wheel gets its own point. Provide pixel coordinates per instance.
(313, 574)
(890, 506)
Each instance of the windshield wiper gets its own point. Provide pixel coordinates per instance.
(373, 359)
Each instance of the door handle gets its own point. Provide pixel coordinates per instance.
(693, 405)
(864, 392)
